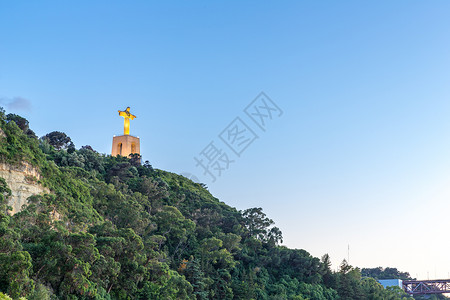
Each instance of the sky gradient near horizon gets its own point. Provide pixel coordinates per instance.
(359, 157)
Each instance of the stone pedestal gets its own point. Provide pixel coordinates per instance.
(124, 145)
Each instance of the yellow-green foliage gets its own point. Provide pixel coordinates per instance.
(4, 297)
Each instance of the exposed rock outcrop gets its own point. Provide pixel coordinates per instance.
(23, 182)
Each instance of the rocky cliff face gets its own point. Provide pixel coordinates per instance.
(23, 182)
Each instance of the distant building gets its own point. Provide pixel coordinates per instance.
(391, 282)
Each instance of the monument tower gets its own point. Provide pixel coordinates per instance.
(125, 144)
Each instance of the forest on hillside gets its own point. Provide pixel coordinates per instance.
(116, 228)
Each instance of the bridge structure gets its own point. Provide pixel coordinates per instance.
(426, 287)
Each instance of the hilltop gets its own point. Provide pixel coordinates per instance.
(103, 227)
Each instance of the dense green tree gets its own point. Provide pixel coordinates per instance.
(191, 269)
(259, 226)
(22, 123)
(59, 140)
(385, 273)
(329, 279)
(15, 264)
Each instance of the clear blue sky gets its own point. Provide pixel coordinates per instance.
(360, 156)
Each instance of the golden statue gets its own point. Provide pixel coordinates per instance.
(126, 123)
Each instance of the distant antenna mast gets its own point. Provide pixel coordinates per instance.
(348, 253)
